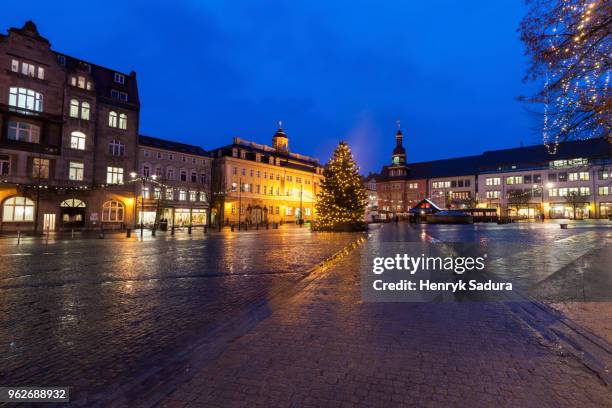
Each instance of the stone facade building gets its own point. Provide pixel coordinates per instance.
(255, 183)
(174, 182)
(68, 138)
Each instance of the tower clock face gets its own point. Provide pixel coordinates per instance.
(395, 159)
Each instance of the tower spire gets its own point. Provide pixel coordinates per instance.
(399, 153)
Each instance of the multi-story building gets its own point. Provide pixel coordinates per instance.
(524, 182)
(68, 138)
(255, 183)
(371, 212)
(173, 182)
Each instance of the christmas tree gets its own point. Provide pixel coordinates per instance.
(341, 200)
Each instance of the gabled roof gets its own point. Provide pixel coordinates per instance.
(171, 145)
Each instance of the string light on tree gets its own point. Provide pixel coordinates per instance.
(570, 45)
(341, 200)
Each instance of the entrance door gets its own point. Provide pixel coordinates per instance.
(49, 222)
(256, 215)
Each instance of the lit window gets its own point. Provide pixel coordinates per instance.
(74, 108)
(603, 191)
(169, 194)
(157, 193)
(192, 196)
(116, 148)
(112, 211)
(182, 195)
(122, 121)
(85, 110)
(26, 99)
(81, 82)
(75, 171)
(120, 79)
(41, 73)
(77, 140)
(145, 192)
(15, 65)
(202, 196)
(17, 209)
(114, 175)
(23, 132)
(112, 119)
(28, 69)
(40, 168)
(158, 172)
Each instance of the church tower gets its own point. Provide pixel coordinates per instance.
(280, 142)
(399, 153)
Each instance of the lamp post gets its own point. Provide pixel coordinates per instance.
(143, 180)
(301, 219)
(239, 201)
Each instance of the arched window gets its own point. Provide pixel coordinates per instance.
(73, 203)
(18, 209)
(112, 211)
(85, 110)
(77, 140)
(25, 99)
(74, 108)
(122, 121)
(112, 119)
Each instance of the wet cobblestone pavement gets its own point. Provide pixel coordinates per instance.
(91, 313)
(327, 348)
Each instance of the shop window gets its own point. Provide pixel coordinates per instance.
(112, 211)
(18, 209)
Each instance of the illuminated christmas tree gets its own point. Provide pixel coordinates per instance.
(341, 200)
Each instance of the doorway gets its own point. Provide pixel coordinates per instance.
(49, 222)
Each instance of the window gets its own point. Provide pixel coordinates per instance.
(203, 178)
(75, 171)
(5, 164)
(194, 177)
(74, 108)
(492, 181)
(40, 168)
(493, 194)
(122, 96)
(85, 110)
(112, 119)
(159, 155)
(603, 191)
(146, 153)
(15, 65)
(251, 172)
(26, 99)
(514, 180)
(235, 170)
(183, 175)
(157, 193)
(537, 178)
(170, 156)
(307, 211)
(77, 140)
(17, 209)
(183, 159)
(182, 195)
(243, 171)
(120, 79)
(202, 196)
(122, 121)
(562, 177)
(145, 193)
(169, 194)
(114, 175)
(112, 211)
(410, 185)
(288, 210)
(116, 148)
(170, 173)
(28, 69)
(146, 172)
(158, 172)
(41, 73)
(23, 132)
(585, 191)
(192, 195)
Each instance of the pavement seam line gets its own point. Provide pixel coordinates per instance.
(212, 345)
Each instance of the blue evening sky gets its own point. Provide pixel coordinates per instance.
(330, 70)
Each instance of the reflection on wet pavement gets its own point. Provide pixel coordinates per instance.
(91, 313)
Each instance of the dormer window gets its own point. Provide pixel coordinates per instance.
(119, 78)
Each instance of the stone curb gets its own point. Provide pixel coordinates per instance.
(155, 384)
